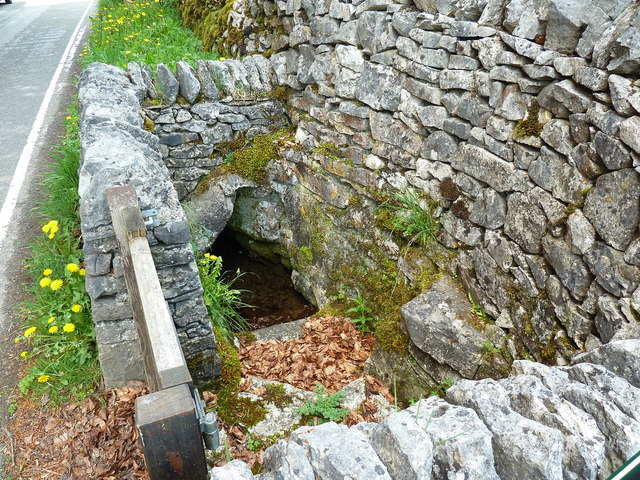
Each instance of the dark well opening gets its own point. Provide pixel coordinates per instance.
(268, 284)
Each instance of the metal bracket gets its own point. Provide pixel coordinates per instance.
(150, 216)
(208, 422)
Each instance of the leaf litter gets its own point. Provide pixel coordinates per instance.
(97, 439)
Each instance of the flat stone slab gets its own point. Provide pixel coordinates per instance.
(282, 331)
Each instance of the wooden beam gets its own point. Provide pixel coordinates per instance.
(164, 362)
(170, 435)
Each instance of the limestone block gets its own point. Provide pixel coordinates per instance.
(612, 207)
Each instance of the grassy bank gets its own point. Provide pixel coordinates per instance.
(141, 31)
(58, 339)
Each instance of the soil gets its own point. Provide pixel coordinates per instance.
(267, 285)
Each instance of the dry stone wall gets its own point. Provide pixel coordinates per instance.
(520, 118)
(117, 150)
(544, 212)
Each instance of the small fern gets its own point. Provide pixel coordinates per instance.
(326, 408)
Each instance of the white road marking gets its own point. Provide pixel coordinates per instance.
(20, 172)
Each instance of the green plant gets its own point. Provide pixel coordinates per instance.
(325, 408)
(441, 388)
(58, 331)
(490, 349)
(478, 311)
(411, 215)
(363, 320)
(221, 299)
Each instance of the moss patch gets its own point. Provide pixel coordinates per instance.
(232, 408)
(251, 161)
(274, 393)
(529, 126)
(149, 126)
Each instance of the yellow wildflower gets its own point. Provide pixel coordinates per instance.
(207, 255)
(56, 284)
(82, 272)
(24, 354)
(222, 59)
(43, 378)
(53, 329)
(203, 262)
(72, 267)
(29, 331)
(76, 308)
(128, 52)
(51, 228)
(51, 319)
(45, 282)
(47, 271)
(69, 327)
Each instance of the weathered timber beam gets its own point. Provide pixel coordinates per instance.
(164, 362)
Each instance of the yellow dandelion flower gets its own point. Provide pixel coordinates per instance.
(207, 255)
(45, 282)
(69, 327)
(53, 329)
(222, 59)
(51, 228)
(43, 378)
(82, 272)
(76, 308)
(24, 354)
(72, 267)
(128, 52)
(56, 284)
(47, 271)
(51, 319)
(203, 262)
(214, 258)
(29, 331)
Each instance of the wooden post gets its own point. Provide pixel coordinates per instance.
(164, 361)
(166, 421)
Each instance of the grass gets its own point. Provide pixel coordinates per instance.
(58, 338)
(411, 216)
(141, 31)
(221, 299)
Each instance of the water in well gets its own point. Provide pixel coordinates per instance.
(268, 285)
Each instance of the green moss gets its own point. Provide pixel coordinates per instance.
(149, 126)
(274, 393)
(232, 408)
(529, 126)
(251, 161)
(305, 255)
(281, 92)
(239, 142)
(330, 150)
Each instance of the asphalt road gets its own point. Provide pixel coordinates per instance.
(38, 65)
